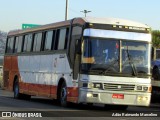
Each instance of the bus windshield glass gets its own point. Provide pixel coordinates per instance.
(115, 56)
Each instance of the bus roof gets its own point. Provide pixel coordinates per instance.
(115, 21)
(82, 21)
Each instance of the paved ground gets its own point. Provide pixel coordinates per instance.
(49, 108)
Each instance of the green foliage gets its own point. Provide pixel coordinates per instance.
(156, 38)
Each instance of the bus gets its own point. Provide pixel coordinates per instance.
(83, 60)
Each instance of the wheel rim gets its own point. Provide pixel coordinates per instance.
(16, 90)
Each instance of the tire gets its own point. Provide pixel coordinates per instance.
(156, 74)
(63, 95)
(17, 95)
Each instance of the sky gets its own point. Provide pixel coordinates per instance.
(14, 13)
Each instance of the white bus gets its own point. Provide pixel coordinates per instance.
(83, 60)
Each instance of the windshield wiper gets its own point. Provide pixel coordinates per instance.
(131, 63)
(109, 67)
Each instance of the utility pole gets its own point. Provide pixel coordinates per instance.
(85, 12)
(66, 14)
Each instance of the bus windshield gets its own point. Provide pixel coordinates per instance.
(115, 56)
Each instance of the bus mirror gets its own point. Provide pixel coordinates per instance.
(78, 46)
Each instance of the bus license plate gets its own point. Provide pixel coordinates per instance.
(118, 96)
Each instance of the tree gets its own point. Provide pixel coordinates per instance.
(155, 42)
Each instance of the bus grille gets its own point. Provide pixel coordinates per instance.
(118, 87)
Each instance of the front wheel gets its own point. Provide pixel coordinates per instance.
(63, 95)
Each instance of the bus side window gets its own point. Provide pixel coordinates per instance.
(16, 45)
(25, 43)
(37, 42)
(20, 41)
(48, 40)
(66, 39)
(61, 39)
(55, 43)
(10, 45)
(29, 43)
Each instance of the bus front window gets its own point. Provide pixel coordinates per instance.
(108, 56)
(100, 54)
(135, 57)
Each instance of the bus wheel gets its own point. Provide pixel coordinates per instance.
(63, 95)
(17, 95)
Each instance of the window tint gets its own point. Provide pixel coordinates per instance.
(20, 43)
(37, 42)
(16, 45)
(10, 45)
(66, 39)
(25, 43)
(48, 40)
(29, 43)
(56, 40)
(61, 41)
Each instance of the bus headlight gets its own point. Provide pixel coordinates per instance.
(88, 85)
(139, 87)
(98, 85)
(145, 88)
(93, 85)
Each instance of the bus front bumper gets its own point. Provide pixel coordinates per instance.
(114, 97)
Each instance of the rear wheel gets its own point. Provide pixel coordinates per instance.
(17, 95)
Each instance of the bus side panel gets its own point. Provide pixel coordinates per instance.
(10, 71)
(13, 71)
(14, 64)
(72, 94)
(53, 91)
(45, 75)
(6, 71)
